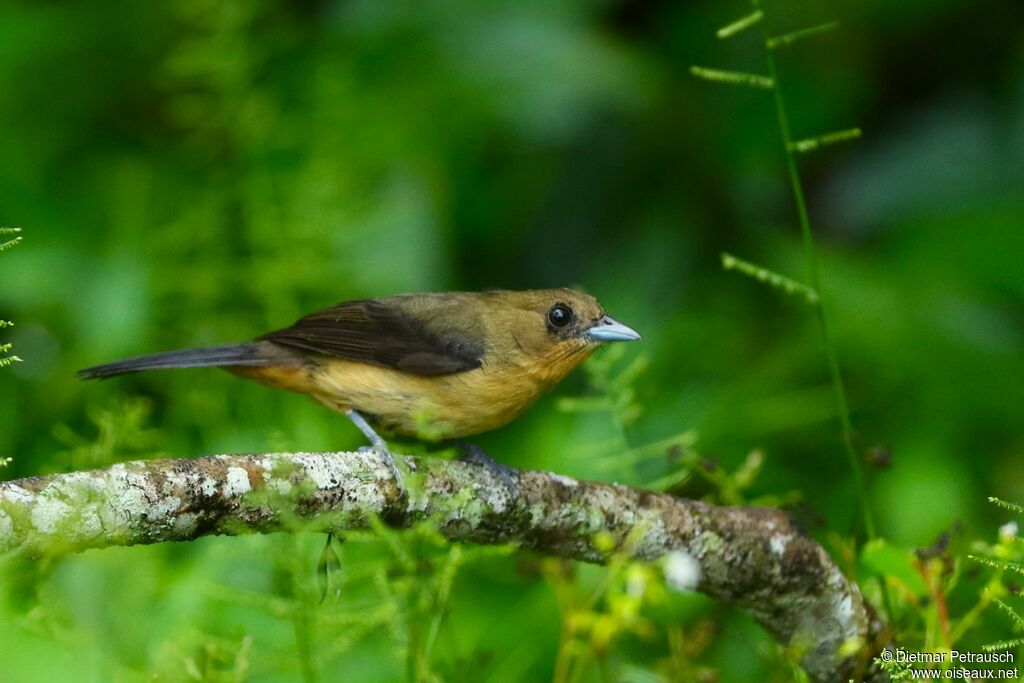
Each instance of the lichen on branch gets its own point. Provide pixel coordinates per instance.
(754, 558)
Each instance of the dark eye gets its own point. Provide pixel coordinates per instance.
(560, 315)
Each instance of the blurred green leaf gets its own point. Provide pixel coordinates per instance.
(891, 563)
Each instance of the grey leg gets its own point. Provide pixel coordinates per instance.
(376, 442)
(478, 456)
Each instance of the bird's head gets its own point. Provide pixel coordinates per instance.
(559, 327)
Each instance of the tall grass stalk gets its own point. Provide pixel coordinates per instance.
(813, 278)
(811, 288)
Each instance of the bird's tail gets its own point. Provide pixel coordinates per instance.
(210, 356)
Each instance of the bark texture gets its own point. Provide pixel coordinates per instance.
(754, 558)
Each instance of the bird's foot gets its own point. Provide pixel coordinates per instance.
(379, 446)
(390, 459)
(474, 454)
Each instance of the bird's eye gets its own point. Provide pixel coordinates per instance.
(560, 315)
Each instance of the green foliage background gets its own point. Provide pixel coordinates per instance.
(197, 172)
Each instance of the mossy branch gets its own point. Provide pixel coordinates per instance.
(753, 558)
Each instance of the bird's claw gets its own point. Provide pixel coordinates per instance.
(377, 446)
(389, 458)
(508, 475)
(391, 461)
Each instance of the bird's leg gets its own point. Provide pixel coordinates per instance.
(378, 444)
(474, 454)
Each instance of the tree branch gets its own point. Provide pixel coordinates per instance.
(754, 558)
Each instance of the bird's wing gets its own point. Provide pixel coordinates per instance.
(385, 332)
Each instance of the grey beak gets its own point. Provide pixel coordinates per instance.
(607, 330)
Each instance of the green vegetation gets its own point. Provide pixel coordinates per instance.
(6, 358)
(199, 172)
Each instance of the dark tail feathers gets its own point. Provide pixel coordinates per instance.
(211, 356)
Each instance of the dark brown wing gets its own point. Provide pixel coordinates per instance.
(384, 332)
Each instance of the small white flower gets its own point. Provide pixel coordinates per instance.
(1008, 531)
(681, 571)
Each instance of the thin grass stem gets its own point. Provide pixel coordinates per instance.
(793, 36)
(733, 77)
(770, 277)
(814, 281)
(740, 24)
(812, 144)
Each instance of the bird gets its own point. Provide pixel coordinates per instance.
(451, 364)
